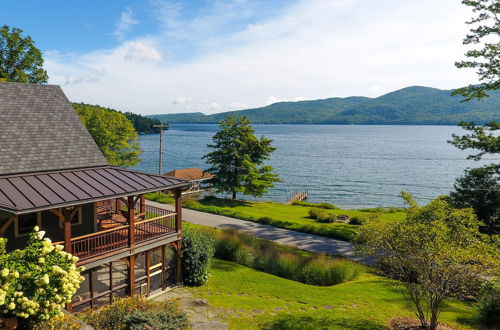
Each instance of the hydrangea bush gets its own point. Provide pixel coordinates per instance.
(38, 281)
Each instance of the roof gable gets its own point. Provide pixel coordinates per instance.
(40, 131)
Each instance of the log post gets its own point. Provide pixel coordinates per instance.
(131, 243)
(131, 275)
(178, 227)
(178, 259)
(178, 211)
(67, 230)
(143, 204)
(131, 221)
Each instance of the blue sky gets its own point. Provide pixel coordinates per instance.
(159, 56)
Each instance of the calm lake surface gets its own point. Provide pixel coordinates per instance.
(351, 166)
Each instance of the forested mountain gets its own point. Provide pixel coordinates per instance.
(412, 105)
(142, 124)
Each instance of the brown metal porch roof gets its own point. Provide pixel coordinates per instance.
(30, 192)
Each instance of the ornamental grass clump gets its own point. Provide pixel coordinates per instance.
(282, 261)
(37, 282)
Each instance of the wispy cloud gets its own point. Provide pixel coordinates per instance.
(124, 24)
(237, 54)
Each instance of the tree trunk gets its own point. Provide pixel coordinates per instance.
(234, 194)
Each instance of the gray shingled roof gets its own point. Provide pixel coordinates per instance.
(40, 131)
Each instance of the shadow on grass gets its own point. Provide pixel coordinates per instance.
(306, 322)
(224, 266)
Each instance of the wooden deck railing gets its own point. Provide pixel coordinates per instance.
(157, 222)
(99, 243)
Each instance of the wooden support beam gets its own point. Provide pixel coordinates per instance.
(131, 275)
(143, 204)
(7, 224)
(67, 230)
(131, 221)
(178, 264)
(178, 210)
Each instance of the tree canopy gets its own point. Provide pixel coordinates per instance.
(237, 159)
(20, 60)
(113, 133)
(436, 253)
(142, 124)
(485, 33)
(479, 188)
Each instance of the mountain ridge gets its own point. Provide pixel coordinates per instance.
(415, 105)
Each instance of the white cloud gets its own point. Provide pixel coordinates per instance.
(181, 100)
(317, 48)
(141, 52)
(124, 24)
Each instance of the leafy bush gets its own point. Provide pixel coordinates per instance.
(137, 312)
(280, 260)
(489, 304)
(357, 220)
(197, 252)
(321, 215)
(244, 256)
(59, 322)
(36, 282)
(151, 319)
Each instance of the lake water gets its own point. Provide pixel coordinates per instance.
(351, 166)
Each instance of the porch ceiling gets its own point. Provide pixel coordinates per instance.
(32, 192)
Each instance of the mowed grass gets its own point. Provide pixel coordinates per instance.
(293, 217)
(249, 299)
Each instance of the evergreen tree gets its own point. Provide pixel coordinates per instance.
(485, 32)
(237, 159)
(479, 188)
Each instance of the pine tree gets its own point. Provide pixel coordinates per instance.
(237, 159)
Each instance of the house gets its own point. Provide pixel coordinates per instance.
(52, 175)
(194, 175)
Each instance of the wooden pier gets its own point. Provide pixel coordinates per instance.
(297, 196)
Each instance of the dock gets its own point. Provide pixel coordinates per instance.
(297, 196)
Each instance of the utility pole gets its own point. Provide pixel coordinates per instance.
(161, 127)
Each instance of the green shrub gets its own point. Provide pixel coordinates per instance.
(326, 217)
(59, 322)
(265, 220)
(244, 256)
(489, 304)
(321, 215)
(315, 212)
(118, 315)
(197, 252)
(151, 319)
(357, 220)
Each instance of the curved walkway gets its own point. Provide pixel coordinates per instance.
(303, 241)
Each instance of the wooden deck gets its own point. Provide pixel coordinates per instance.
(113, 234)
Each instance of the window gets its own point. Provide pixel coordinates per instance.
(26, 222)
(76, 220)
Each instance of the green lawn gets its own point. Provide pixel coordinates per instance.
(253, 300)
(293, 217)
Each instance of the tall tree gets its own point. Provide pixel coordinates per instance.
(436, 253)
(20, 60)
(237, 159)
(479, 188)
(113, 133)
(484, 32)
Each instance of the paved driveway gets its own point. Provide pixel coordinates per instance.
(297, 239)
